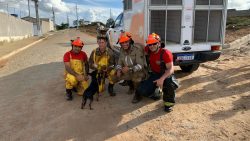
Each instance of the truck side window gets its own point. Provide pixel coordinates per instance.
(118, 20)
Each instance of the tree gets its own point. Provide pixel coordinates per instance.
(75, 23)
(62, 26)
(81, 22)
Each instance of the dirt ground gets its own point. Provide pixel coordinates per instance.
(213, 103)
(232, 35)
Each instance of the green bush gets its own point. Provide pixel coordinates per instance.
(238, 22)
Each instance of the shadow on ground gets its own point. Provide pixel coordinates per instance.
(33, 107)
(220, 84)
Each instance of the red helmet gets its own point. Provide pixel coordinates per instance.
(153, 38)
(124, 37)
(78, 43)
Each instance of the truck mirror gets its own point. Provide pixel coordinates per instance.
(112, 26)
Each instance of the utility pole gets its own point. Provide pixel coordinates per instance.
(37, 18)
(54, 18)
(68, 19)
(110, 13)
(76, 17)
(29, 7)
(7, 8)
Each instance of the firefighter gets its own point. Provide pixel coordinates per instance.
(162, 75)
(130, 66)
(125, 82)
(76, 69)
(102, 63)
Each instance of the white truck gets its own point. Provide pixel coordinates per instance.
(193, 30)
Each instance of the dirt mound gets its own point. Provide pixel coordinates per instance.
(232, 35)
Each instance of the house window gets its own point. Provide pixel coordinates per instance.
(127, 4)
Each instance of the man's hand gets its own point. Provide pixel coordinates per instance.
(80, 77)
(118, 73)
(104, 68)
(159, 82)
(125, 69)
(95, 66)
(109, 69)
(86, 77)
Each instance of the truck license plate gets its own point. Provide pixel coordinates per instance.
(185, 57)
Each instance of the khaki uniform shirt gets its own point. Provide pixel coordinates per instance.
(135, 60)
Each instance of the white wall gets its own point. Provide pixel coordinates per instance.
(51, 25)
(12, 28)
(47, 26)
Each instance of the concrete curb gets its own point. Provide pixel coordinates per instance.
(239, 42)
(22, 48)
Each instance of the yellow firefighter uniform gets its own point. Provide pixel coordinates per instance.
(103, 63)
(70, 81)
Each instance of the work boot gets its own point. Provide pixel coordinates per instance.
(74, 89)
(137, 98)
(111, 90)
(131, 87)
(69, 95)
(168, 108)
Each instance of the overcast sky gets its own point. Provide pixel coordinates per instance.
(92, 10)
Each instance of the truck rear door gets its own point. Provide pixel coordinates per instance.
(188, 25)
(165, 19)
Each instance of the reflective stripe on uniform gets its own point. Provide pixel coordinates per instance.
(169, 104)
(118, 67)
(137, 67)
(128, 61)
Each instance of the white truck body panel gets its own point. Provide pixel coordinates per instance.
(183, 25)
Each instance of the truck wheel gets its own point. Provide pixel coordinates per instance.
(189, 68)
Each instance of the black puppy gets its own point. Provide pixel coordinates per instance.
(90, 91)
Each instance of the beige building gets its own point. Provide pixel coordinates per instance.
(45, 23)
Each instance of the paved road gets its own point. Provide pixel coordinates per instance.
(32, 89)
(32, 98)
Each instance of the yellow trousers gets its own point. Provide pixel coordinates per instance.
(71, 82)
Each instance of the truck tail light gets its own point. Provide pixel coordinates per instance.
(215, 48)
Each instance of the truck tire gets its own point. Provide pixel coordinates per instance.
(189, 68)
